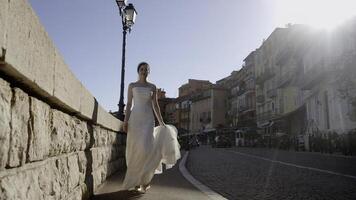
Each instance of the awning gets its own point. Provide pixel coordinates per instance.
(266, 125)
(209, 130)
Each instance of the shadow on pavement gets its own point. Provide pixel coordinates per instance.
(118, 195)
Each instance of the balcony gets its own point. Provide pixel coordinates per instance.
(267, 74)
(269, 115)
(314, 77)
(286, 79)
(242, 108)
(260, 99)
(271, 93)
(240, 92)
(264, 115)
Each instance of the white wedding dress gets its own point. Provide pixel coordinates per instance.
(147, 147)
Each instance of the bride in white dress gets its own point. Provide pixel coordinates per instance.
(147, 147)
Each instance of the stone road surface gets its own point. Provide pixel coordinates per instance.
(170, 185)
(248, 173)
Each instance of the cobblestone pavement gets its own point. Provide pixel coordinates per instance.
(238, 176)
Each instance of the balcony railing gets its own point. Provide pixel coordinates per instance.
(240, 92)
(268, 73)
(260, 99)
(242, 108)
(265, 115)
(271, 93)
(269, 115)
(313, 78)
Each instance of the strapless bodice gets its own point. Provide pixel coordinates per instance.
(142, 97)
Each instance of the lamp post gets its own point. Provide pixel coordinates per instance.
(128, 16)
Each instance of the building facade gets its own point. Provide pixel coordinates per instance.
(208, 109)
(279, 104)
(300, 75)
(184, 100)
(241, 98)
(192, 86)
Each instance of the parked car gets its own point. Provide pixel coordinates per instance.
(222, 141)
(188, 142)
(194, 142)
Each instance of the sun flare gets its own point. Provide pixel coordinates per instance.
(325, 14)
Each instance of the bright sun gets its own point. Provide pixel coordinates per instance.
(325, 14)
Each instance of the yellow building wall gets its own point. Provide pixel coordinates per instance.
(290, 95)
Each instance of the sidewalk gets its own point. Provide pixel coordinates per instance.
(170, 185)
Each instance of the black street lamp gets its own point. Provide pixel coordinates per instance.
(128, 16)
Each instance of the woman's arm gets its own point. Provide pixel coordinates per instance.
(128, 107)
(155, 106)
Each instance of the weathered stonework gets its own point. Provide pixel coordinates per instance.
(48, 180)
(39, 130)
(82, 165)
(87, 103)
(22, 186)
(62, 133)
(19, 133)
(47, 153)
(67, 87)
(5, 105)
(51, 154)
(73, 170)
(3, 25)
(28, 46)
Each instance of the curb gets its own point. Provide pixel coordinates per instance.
(203, 188)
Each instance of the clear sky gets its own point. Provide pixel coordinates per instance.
(180, 39)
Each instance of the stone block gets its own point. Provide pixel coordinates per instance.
(73, 169)
(62, 133)
(30, 54)
(81, 135)
(4, 5)
(5, 119)
(82, 164)
(48, 180)
(103, 139)
(87, 103)
(113, 138)
(63, 176)
(67, 88)
(39, 130)
(107, 120)
(20, 115)
(96, 179)
(76, 194)
(100, 136)
(23, 185)
(97, 157)
(40, 182)
(99, 176)
(96, 135)
(106, 154)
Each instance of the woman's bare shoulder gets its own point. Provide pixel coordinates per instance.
(152, 86)
(132, 84)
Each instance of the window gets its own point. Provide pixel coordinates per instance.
(272, 106)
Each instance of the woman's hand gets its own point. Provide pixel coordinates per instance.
(125, 126)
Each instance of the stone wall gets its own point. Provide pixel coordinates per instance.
(48, 154)
(56, 141)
